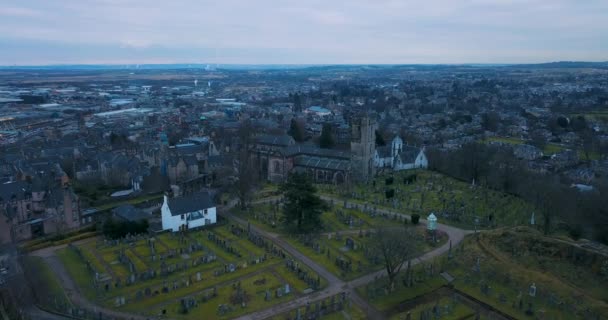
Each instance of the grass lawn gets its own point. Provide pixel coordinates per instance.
(457, 310)
(455, 202)
(510, 277)
(402, 293)
(48, 289)
(350, 312)
(139, 252)
(77, 269)
(256, 293)
(355, 256)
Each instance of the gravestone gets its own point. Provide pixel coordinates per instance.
(532, 290)
(287, 288)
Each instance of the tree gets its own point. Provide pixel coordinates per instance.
(303, 207)
(379, 139)
(395, 245)
(327, 140)
(296, 131)
(244, 169)
(490, 121)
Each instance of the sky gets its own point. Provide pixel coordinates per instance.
(42, 32)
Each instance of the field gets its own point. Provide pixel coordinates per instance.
(218, 272)
(453, 202)
(548, 150)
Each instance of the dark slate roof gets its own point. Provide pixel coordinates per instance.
(190, 161)
(217, 161)
(317, 152)
(322, 163)
(130, 213)
(190, 203)
(189, 149)
(13, 190)
(384, 151)
(408, 154)
(282, 140)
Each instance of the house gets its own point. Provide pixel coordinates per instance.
(37, 208)
(400, 157)
(187, 212)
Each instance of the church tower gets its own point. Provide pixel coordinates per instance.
(363, 148)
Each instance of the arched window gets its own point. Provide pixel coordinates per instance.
(277, 167)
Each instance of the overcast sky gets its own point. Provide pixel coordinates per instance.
(301, 32)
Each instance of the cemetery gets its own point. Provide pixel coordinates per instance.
(516, 271)
(341, 216)
(349, 255)
(466, 205)
(336, 307)
(186, 274)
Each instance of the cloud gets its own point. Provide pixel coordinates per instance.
(19, 12)
(314, 31)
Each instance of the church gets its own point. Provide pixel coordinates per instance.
(277, 156)
(397, 156)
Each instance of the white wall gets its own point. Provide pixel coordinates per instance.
(175, 222)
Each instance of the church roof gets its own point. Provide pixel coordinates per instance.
(274, 140)
(384, 151)
(298, 150)
(322, 163)
(408, 154)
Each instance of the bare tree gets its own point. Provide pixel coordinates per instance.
(396, 246)
(246, 177)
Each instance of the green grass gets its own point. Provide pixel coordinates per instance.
(434, 192)
(256, 293)
(521, 276)
(401, 292)
(458, 310)
(507, 140)
(352, 312)
(49, 291)
(78, 272)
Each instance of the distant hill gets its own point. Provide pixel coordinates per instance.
(563, 65)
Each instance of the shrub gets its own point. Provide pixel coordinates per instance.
(575, 231)
(390, 193)
(415, 218)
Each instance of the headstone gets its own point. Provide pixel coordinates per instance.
(532, 290)
(287, 288)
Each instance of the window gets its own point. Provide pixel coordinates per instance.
(205, 211)
(183, 216)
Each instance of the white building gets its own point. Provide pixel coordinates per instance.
(400, 157)
(191, 211)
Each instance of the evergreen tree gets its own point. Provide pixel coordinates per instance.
(303, 207)
(327, 140)
(379, 139)
(296, 131)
